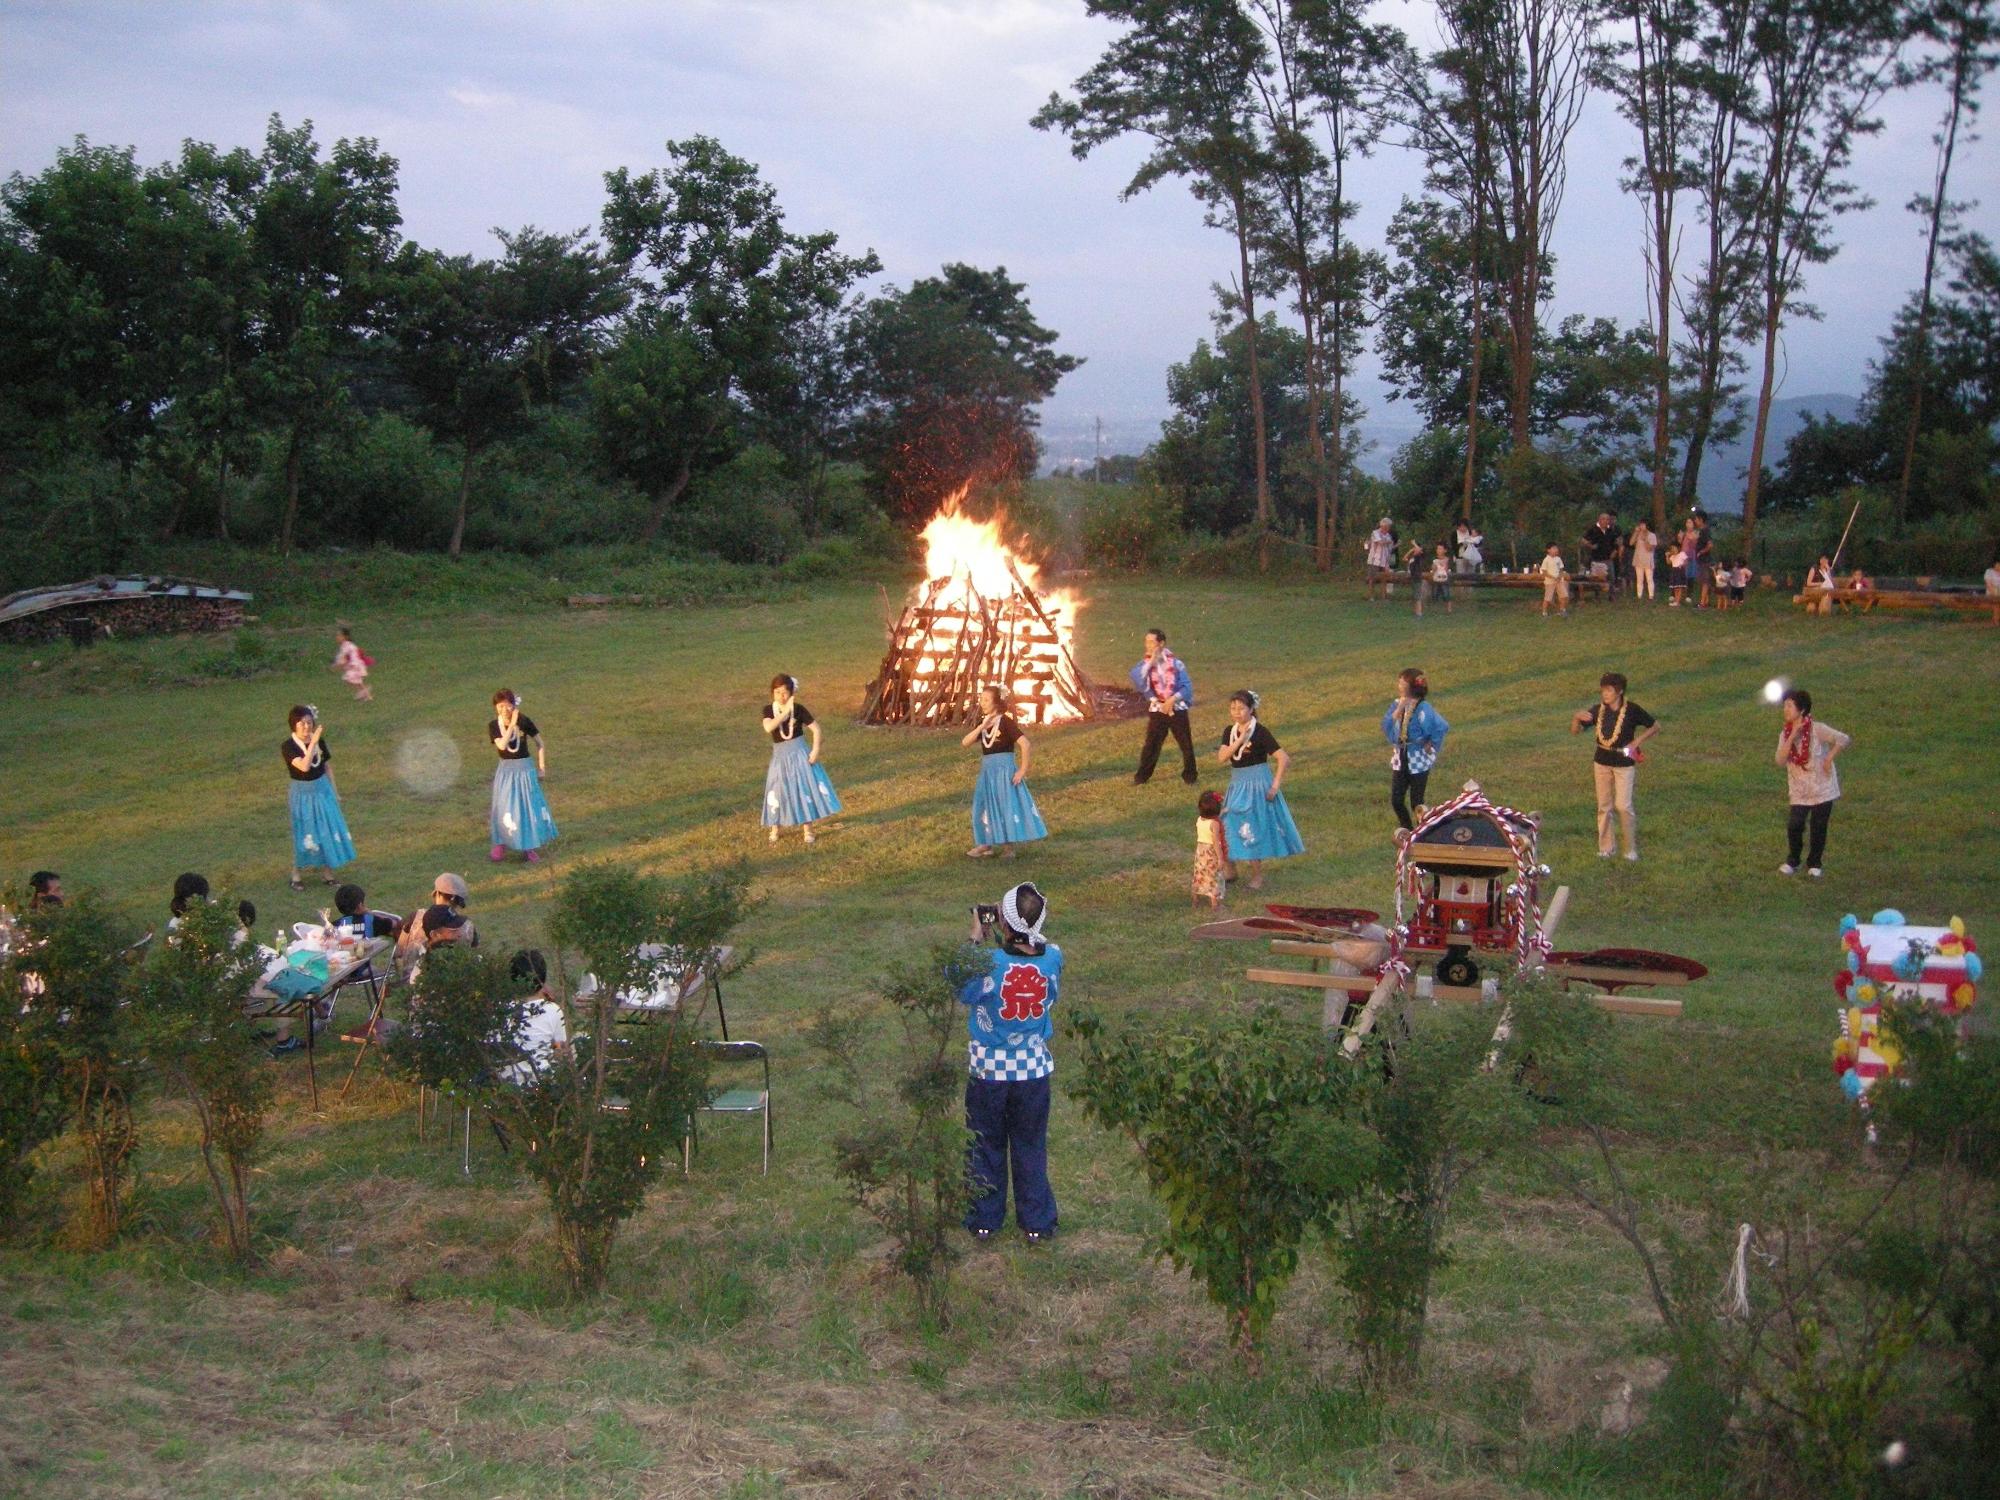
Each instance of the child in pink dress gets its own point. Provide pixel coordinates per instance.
(1211, 851)
(352, 664)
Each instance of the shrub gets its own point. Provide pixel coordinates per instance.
(1243, 1128)
(1128, 526)
(602, 1118)
(903, 1155)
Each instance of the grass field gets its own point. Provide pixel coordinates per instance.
(402, 1332)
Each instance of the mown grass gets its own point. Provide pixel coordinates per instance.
(403, 1330)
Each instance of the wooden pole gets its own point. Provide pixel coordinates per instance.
(1385, 989)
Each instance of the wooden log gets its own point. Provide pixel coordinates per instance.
(1353, 984)
(1553, 914)
(1385, 989)
(1360, 952)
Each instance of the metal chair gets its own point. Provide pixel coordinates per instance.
(743, 1101)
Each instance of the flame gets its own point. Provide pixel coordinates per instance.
(970, 569)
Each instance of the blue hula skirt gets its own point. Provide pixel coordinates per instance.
(1003, 813)
(521, 818)
(795, 790)
(1258, 829)
(319, 832)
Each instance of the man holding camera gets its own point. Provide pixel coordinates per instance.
(1008, 1023)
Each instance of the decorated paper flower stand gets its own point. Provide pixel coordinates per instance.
(1890, 961)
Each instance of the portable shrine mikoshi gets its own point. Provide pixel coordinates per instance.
(978, 619)
(1889, 962)
(1468, 892)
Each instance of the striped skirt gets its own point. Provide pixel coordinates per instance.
(319, 832)
(1258, 829)
(795, 790)
(1003, 813)
(520, 818)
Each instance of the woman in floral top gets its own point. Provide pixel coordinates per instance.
(1806, 750)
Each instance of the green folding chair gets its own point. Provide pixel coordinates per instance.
(738, 1101)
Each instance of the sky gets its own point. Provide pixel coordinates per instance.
(901, 125)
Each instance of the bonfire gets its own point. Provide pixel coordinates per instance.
(978, 618)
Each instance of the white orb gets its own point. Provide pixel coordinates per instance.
(427, 762)
(1774, 690)
(1895, 1453)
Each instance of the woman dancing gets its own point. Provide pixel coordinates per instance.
(1415, 732)
(320, 839)
(1260, 826)
(1806, 749)
(520, 818)
(797, 792)
(1003, 809)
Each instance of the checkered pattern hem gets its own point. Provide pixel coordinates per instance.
(1012, 1064)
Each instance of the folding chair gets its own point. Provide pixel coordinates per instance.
(640, 1009)
(747, 1101)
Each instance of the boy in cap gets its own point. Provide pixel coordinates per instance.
(1008, 1023)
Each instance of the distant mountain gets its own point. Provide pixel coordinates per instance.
(1725, 468)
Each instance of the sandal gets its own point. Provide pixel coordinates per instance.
(982, 851)
(298, 884)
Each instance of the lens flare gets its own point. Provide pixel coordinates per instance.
(427, 762)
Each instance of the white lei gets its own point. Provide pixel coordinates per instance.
(989, 732)
(1240, 736)
(782, 724)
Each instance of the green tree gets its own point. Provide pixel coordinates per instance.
(483, 343)
(1178, 75)
(727, 297)
(951, 373)
(190, 1001)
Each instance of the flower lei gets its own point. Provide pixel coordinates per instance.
(1802, 733)
(988, 736)
(782, 724)
(1240, 736)
(1617, 727)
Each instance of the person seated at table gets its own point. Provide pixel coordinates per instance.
(44, 890)
(1859, 581)
(443, 921)
(352, 903)
(543, 1036)
(191, 890)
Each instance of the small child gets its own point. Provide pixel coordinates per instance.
(352, 663)
(1211, 851)
(1555, 580)
(1719, 577)
(1677, 570)
(1739, 582)
(1419, 566)
(1441, 575)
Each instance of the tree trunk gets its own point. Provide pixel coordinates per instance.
(1708, 384)
(1472, 377)
(1259, 458)
(222, 497)
(664, 501)
(1773, 313)
(1316, 448)
(584, 1253)
(1920, 369)
(464, 496)
(294, 457)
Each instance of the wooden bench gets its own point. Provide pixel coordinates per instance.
(1581, 586)
(1815, 597)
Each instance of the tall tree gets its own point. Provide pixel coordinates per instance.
(1179, 76)
(1323, 74)
(951, 373)
(1822, 65)
(1714, 303)
(482, 343)
(1655, 84)
(1965, 30)
(726, 292)
(323, 231)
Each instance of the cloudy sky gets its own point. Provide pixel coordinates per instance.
(899, 124)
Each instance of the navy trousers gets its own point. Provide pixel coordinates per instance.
(1010, 1124)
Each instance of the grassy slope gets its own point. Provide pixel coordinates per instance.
(401, 1333)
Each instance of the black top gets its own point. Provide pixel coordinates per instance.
(524, 730)
(1605, 724)
(1004, 736)
(1602, 542)
(801, 718)
(292, 750)
(1263, 745)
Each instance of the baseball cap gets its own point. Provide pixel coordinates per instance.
(454, 887)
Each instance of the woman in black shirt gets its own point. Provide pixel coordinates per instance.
(320, 839)
(1003, 809)
(1259, 823)
(520, 818)
(797, 791)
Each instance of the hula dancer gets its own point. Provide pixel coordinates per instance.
(1003, 809)
(320, 839)
(1620, 727)
(520, 818)
(1259, 824)
(1415, 732)
(1806, 750)
(797, 792)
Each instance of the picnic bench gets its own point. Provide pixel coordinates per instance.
(1814, 599)
(1581, 585)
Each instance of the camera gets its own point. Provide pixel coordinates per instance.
(988, 917)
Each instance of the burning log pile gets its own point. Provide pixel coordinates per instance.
(978, 619)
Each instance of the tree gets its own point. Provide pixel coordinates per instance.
(1656, 87)
(1323, 72)
(1822, 65)
(322, 232)
(726, 295)
(600, 1120)
(1967, 31)
(190, 1000)
(1179, 76)
(483, 343)
(949, 375)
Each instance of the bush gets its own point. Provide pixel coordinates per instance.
(1128, 526)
